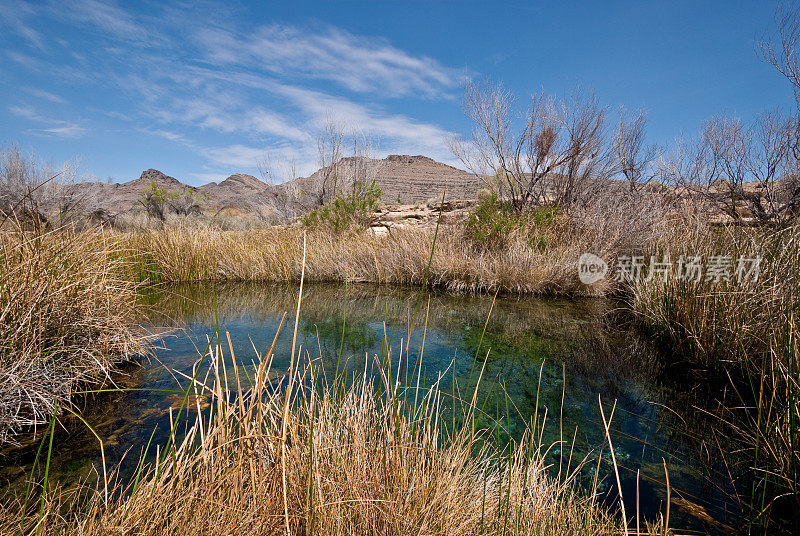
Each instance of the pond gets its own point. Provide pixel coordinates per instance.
(546, 358)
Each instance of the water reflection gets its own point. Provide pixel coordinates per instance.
(541, 360)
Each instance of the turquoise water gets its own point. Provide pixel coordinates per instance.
(549, 360)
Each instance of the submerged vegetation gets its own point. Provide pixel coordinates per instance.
(79, 291)
(746, 332)
(304, 456)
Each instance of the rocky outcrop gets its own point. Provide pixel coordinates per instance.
(397, 217)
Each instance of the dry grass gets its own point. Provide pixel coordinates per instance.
(353, 463)
(65, 316)
(750, 333)
(534, 260)
(305, 457)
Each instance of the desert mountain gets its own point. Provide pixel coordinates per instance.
(112, 199)
(402, 178)
(405, 179)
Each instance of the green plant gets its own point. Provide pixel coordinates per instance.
(493, 221)
(344, 213)
(186, 201)
(182, 202)
(327, 457)
(154, 199)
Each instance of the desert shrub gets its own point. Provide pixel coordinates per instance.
(158, 201)
(154, 200)
(492, 222)
(33, 192)
(186, 202)
(352, 211)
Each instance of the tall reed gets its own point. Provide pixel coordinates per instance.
(331, 459)
(66, 314)
(748, 332)
(535, 260)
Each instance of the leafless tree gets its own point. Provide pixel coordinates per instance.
(326, 181)
(345, 169)
(744, 171)
(783, 55)
(558, 155)
(282, 202)
(634, 158)
(584, 163)
(363, 168)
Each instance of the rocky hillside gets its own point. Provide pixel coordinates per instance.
(403, 180)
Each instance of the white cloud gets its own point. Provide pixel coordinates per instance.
(45, 95)
(267, 122)
(23, 59)
(239, 156)
(58, 127)
(105, 16)
(66, 131)
(393, 130)
(282, 159)
(167, 135)
(13, 15)
(233, 95)
(357, 63)
(315, 108)
(24, 111)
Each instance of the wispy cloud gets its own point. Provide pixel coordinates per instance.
(234, 94)
(46, 95)
(14, 15)
(268, 122)
(167, 135)
(66, 131)
(313, 109)
(56, 127)
(357, 63)
(105, 16)
(24, 111)
(239, 156)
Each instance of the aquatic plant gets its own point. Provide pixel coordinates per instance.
(310, 455)
(747, 332)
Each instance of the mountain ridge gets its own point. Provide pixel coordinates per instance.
(402, 178)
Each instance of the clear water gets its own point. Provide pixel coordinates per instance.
(561, 357)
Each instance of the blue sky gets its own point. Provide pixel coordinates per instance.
(201, 90)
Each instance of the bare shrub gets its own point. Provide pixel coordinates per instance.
(327, 181)
(33, 192)
(746, 172)
(282, 203)
(558, 155)
(634, 158)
